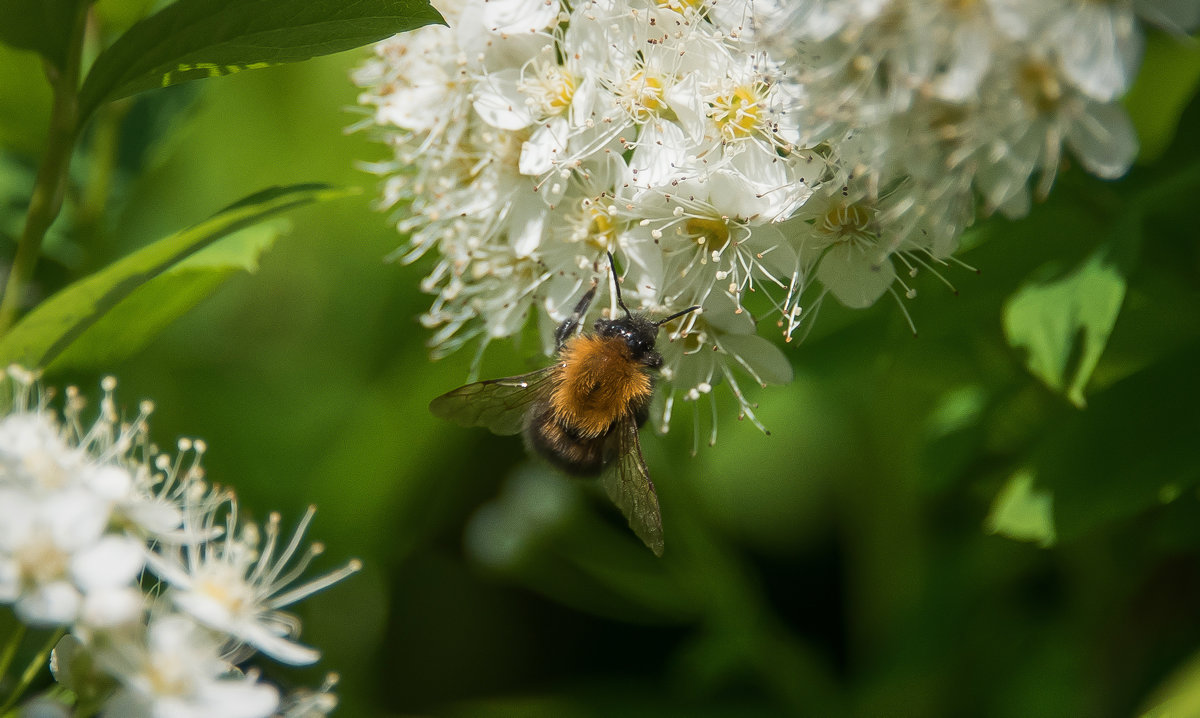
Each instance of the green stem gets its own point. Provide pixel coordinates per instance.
(10, 651)
(51, 181)
(31, 671)
(103, 146)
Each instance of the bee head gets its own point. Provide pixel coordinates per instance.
(637, 332)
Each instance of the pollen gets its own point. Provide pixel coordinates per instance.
(561, 99)
(167, 676)
(40, 560)
(601, 230)
(642, 95)
(1039, 85)
(680, 6)
(550, 90)
(846, 222)
(220, 583)
(710, 232)
(737, 112)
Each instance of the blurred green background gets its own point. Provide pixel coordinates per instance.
(843, 566)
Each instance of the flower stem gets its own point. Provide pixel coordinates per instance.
(51, 182)
(103, 146)
(31, 671)
(10, 650)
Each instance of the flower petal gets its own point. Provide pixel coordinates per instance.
(49, 604)
(112, 561)
(281, 649)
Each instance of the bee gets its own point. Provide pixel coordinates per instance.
(582, 413)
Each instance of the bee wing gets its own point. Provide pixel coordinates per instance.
(629, 486)
(498, 404)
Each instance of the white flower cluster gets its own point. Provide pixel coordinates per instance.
(731, 153)
(932, 108)
(84, 512)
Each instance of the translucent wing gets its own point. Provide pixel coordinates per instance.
(498, 404)
(629, 486)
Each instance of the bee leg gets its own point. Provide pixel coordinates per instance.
(571, 323)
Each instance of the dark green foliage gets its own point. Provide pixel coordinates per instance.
(43, 26)
(198, 39)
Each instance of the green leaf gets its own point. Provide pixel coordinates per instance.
(47, 331)
(1179, 695)
(1168, 79)
(1023, 513)
(43, 26)
(1064, 324)
(130, 325)
(196, 39)
(1131, 451)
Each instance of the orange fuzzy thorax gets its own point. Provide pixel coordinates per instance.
(598, 383)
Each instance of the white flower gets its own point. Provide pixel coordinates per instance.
(305, 703)
(589, 126)
(1042, 111)
(517, 16)
(61, 560)
(83, 509)
(54, 554)
(705, 349)
(1098, 45)
(923, 107)
(706, 144)
(33, 453)
(175, 670)
(236, 584)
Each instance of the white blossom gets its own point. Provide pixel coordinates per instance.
(174, 669)
(237, 582)
(729, 149)
(306, 703)
(62, 558)
(87, 508)
(601, 126)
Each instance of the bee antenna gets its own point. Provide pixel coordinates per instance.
(661, 322)
(612, 264)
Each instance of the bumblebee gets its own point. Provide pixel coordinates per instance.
(582, 413)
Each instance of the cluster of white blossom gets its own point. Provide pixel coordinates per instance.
(932, 109)
(735, 154)
(146, 565)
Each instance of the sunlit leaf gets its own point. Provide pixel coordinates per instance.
(133, 322)
(197, 39)
(47, 331)
(1022, 512)
(1179, 695)
(956, 410)
(1064, 324)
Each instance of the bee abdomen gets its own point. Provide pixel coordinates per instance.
(563, 446)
